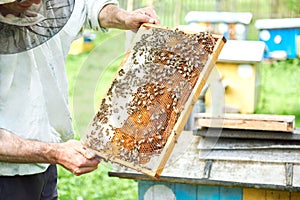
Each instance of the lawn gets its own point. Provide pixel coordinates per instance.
(89, 75)
(280, 88)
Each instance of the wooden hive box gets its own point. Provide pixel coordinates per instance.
(151, 97)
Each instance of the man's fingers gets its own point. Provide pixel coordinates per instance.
(86, 167)
(148, 15)
(152, 14)
(83, 170)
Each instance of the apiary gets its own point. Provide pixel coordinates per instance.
(151, 97)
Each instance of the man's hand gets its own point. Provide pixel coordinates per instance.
(134, 19)
(73, 156)
(113, 17)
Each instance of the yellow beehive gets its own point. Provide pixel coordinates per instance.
(238, 66)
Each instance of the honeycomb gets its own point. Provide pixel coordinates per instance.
(151, 97)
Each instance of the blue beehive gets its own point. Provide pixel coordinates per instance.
(281, 37)
(233, 25)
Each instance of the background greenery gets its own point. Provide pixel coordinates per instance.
(280, 86)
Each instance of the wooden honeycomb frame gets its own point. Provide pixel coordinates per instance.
(152, 96)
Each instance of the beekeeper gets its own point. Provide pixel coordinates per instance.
(35, 123)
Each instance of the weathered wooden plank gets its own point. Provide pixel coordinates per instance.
(257, 173)
(234, 182)
(296, 176)
(289, 174)
(242, 144)
(265, 155)
(284, 123)
(248, 134)
(228, 173)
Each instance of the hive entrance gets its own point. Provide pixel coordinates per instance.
(151, 97)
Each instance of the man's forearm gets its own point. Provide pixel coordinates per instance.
(112, 17)
(17, 150)
(71, 154)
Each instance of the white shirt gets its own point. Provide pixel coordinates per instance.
(34, 89)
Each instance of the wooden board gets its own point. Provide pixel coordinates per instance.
(248, 134)
(283, 123)
(151, 97)
(249, 150)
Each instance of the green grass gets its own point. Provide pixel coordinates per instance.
(90, 74)
(95, 185)
(280, 88)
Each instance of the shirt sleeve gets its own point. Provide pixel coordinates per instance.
(94, 8)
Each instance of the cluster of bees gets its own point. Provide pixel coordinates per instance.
(146, 98)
